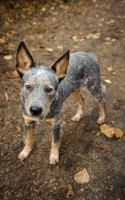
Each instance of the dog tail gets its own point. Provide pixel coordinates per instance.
(103, 88)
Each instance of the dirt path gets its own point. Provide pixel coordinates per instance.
(48, 30)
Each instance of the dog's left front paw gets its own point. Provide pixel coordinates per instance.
(54, 158)
(101, 120)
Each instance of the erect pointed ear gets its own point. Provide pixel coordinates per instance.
(60, 66)
(24, 59)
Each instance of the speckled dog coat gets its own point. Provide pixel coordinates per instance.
(44, 89)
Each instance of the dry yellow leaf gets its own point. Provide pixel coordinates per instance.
(118, 133)
(2, 40)
(11, 45)
(107, 130)
(83, 14)
(8, 57)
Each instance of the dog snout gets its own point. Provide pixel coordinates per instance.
(35, 110)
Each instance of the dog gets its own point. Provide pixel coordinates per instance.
(44, 89)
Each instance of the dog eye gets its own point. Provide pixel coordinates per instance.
(28, 87)
(48, 90)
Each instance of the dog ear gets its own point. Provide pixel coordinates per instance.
(60, 66)
(24, 59)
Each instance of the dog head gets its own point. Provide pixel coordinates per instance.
(39, 83)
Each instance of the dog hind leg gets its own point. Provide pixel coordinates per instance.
(80, 102)
(96, 91)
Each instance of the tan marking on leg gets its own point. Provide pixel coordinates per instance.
(28, 144)
(102, 116)
(79, 101)
(50, 121)
(54, 154)
(29, 119)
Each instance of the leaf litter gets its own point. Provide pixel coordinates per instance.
(110, 131)
(82, 176)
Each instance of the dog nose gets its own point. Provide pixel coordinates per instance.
(35, 110)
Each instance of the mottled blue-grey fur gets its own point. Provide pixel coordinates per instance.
(43, 94)
(83, 70)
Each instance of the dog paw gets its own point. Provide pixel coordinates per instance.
(76, 118)
(101, 120)
(24, 153)
(54, 158)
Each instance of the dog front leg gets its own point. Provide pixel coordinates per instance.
(54, 155)
(29, 132)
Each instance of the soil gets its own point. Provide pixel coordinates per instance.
(49, 28)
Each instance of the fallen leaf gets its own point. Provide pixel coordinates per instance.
(33, 38)
(60, 47)
(107, 81)
(113, 40)
(10, 20)
(83, 14)
(14, 73)
(102, 20)
(40, 36)
(108, 38)
(2, 40)
(107, 130)
(6, 96)
(108, 43)
(8, 57)
(93, 36)
(70, 191)
(40, 46)
(74, 38)
(110, 69)
(49, 49)
(112, 20)
(82, 176)
(11, 45)
(118, 133)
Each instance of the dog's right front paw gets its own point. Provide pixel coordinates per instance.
(24, 153)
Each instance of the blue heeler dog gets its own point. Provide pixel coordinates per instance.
(44, 89)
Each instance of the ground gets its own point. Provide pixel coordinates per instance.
(48, 30)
